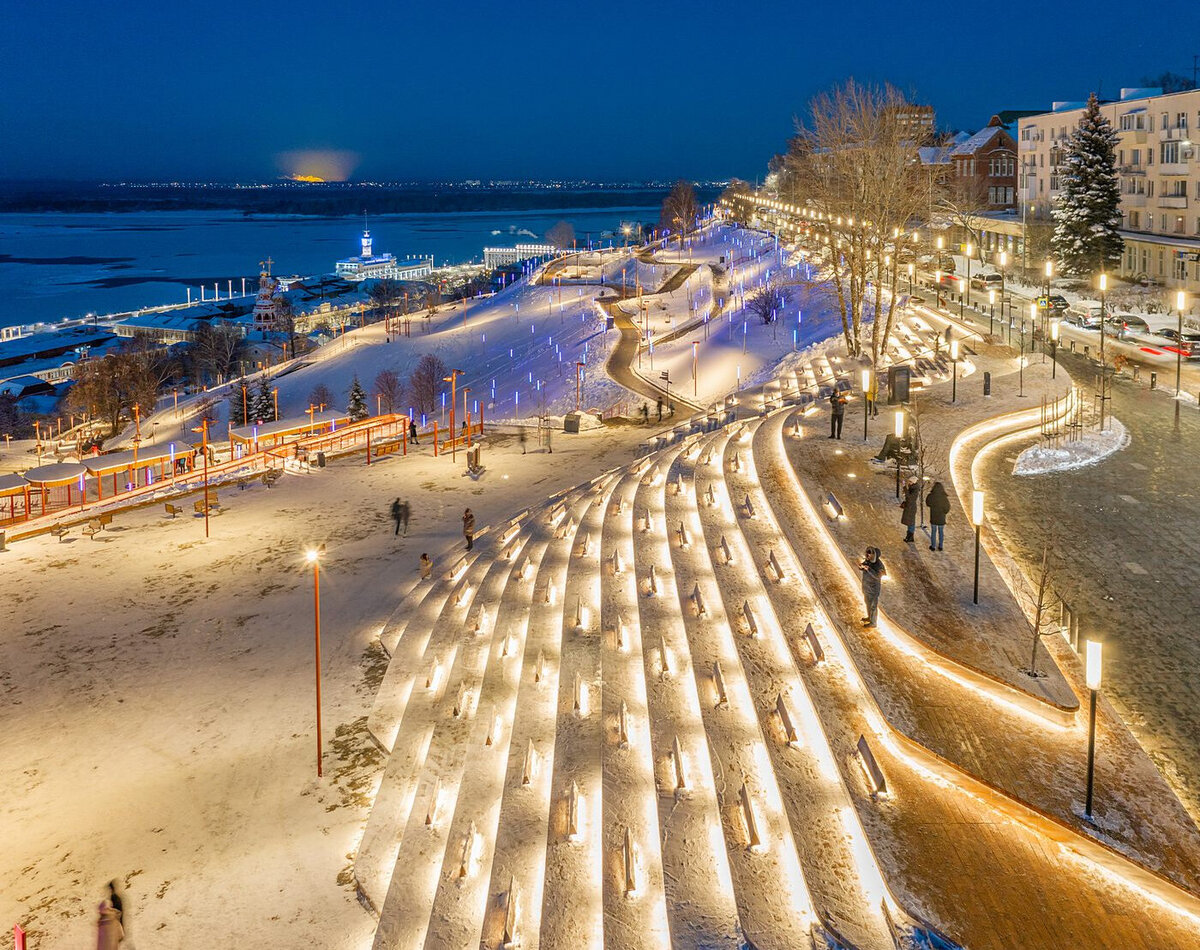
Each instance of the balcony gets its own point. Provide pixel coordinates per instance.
(1173, 201)
(1174, 168)
(1133, 137)
(1133, 200)
(1174, 134)
(1132, 169)
(1030, 145)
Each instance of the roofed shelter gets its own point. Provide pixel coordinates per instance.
(14, 490)
(270, 434)
(57, 485)
(150, 462)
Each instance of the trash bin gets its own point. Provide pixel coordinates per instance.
(571, 422)
(320, 460)
(987, 383)
(3, 538)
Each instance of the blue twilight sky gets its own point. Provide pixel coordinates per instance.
(222, 90)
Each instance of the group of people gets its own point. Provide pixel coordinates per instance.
(938, 503)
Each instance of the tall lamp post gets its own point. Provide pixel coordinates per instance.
(1103, 374)
(695, 368)
(204, 451)
(1003, 265)
(899, 438)
(954, 370)
(1093, 672)
(313, 556)
(970, 250)
(1180, 300)
(910, 277)
(1053, 347)
(452, 379)
(1049, 274)
(992, 311)
(977, 520)
(866, 391)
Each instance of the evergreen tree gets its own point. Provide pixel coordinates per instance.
(1088, 214)
(239, 399)
(358, 402)
(262, 408)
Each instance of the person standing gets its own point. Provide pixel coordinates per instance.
(469, 528)
(939, 508)
(660, 408)
(426, 567)
(873, 396)
(873, 573)
(109, 932)
(405, 511)
(910, 503)
(521, 438)
(837, 414)
(412, 431)
(396, 514)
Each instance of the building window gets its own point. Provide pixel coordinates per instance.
(1180, 225)
(1133, 219)
(1180, 268)
(1169, 152)
(1181, 120)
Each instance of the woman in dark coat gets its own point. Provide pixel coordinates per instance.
(908, 517)
(939, 507)
(873, 572)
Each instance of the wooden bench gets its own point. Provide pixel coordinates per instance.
(271, 476)
(103, 521)
(244, 482)
(214, 506)
(173, 510)
(60, 532)
(92, 528)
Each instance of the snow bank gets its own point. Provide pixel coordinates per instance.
(1091, 448)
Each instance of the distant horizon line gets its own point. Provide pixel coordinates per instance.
(464, 183)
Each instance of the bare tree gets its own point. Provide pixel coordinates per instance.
(680, 210)
(113, 385)
(390, 389)
(320, 396)
(214, 350)
(426, 381)
(768, 302)
(1040, 603)
(285, 323)
(852, 167)
(561, 235)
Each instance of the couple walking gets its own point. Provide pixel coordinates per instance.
(938, 503)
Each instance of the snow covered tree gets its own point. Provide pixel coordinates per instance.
(262, 409)
(358, 402)
(239, 400)
(1088, 214)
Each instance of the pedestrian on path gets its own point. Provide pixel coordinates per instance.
(873, 396)
(405, 511)
(521, 438)
(910, 503)
(873, 573)
(396, 515)
(119, 906)
(837, 414)
(426, 567)
(469, 528)
(645, 413)
(939, 508)
(660, 408)
(412, 431)
(109, 932)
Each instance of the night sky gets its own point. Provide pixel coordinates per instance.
(470, 89)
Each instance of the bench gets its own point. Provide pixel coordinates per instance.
(92, 528)
(103, 521)
(214, 506)
(271, 476)
(60, 532)
(244, 481)
(173, 510)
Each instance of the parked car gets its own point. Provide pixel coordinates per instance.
(987, 281)
(1085, 314)
(1126, 325)
(1058, 302)
(1188, 343)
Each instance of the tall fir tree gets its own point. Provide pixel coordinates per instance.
(239, 400)
(1088, 214)
(358, 402)
(262, 409)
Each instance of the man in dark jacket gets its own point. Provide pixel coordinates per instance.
(939, 507)
(469, 528)
(837, 413)
(910, 503)
(412, 431)
(873, 573)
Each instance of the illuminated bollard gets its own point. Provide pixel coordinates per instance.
(786, 721)
(719, 684)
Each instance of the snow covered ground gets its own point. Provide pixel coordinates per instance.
(1088, 449)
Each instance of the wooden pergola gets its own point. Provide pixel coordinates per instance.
(14, 488)
(142, 466)
(270, 434)
(49, 480)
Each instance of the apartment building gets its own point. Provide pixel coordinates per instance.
(1160, 178)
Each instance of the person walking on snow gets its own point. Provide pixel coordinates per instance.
(837, 407)
(469, 528)
(521, 438)
(396, 513)
(412, 431)
(910, 503)
(873, 573)
(660, 408)
(109, 932)
(426, 567)
(939, 507)
(405, 511)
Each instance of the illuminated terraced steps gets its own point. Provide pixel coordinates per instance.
(627, 721)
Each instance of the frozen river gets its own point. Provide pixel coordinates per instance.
(66, 265)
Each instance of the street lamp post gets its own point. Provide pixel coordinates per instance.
(866, 391)
(1033, 311)
(992, 311)
(910, 278)
(1049, 274)
(1103, 374)
(954, 370)
(452, 379)
(937, 280)
(1180, 300)
(204, 450)
(977, 520)
(695, 367)
(970, 249)
(899, 430)
(1093, 669)
(1053, 347)
(313, 556)
(1003, 265)
(466, 415)
(578, 371)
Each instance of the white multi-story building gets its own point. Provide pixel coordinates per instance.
(371, 266)
(1159, 168)
(494, 257)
